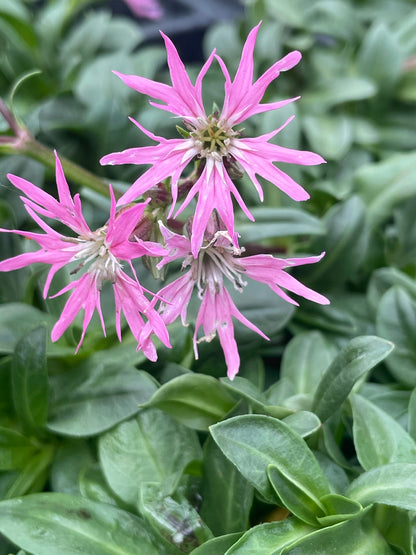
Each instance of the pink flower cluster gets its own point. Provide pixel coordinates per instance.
(209, 249)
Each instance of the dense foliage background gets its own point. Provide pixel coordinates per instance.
(312, 446)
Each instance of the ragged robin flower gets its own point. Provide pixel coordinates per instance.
(213, 139)
(219, 262)
(99, 254)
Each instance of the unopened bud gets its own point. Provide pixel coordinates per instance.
(158, 194)
(234, 169)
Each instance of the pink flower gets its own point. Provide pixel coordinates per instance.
(145, 8)
(100, 252)
(219, 259)
(213, 139)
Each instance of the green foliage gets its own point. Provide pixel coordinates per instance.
(312, 446)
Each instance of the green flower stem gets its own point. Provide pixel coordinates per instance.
(29, 146)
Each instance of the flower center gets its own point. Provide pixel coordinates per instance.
(212, 138)
(94, 249)
(216, 260)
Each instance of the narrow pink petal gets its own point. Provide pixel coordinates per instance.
(146, 86)
(36, 194)
(63, 190)
(225, 330)
(286, 63)
(254, 164)
(177, 296)
(123, 225)
(289, 282)
(81, 289)
(269, 270)
(305, 260)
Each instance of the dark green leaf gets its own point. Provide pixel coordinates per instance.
(32, 477)
(392, 484)
(15, 449)
(357, 358)
(345, 244)
(378, 438)
(331, 136)
(303, 422)
(93, 486)
(381, 281)
(217, 545)
(380, 57)
(62, 523)
(72, 456)
(226, 495)
(338, 508)
(176, 521)
(383, 184)
(396, 320)
(269, 538)
(396, 526)
(29, 381)
(279, 222)
(305, 359)
(93, 398)
(298, 500)
(18, 319)
(253, 442)
(196, 400)
(358, 535)
(148, 448)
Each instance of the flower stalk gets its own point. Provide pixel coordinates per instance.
(22, 142)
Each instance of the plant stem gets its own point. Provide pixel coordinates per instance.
(73, 171)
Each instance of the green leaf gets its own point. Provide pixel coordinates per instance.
(93, 398)
(380, 57)
(331, 136)
(195, 400)
(356, 359)
(396, 320)
(378, 438)
(62, 523)
(268, 312)
(381, 281)
(71, 458)
(345, 244)
(148, 448)
(253, 442)
(226, 495)
(92, 485)
(334, 18)
(396, 526)
(18, 319)
(217, 545)
(392, 484)
(303, 422)
(356, 536)
(412, 415)
(278, 222)
(15, 449)
(247, 390)
(29, 381)
(338, 508)
(269, 538)
(305, 359)
(32, 477)
(295, 498)
(176, 521)
(384, 184)
(334, 473)
(339, 90)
